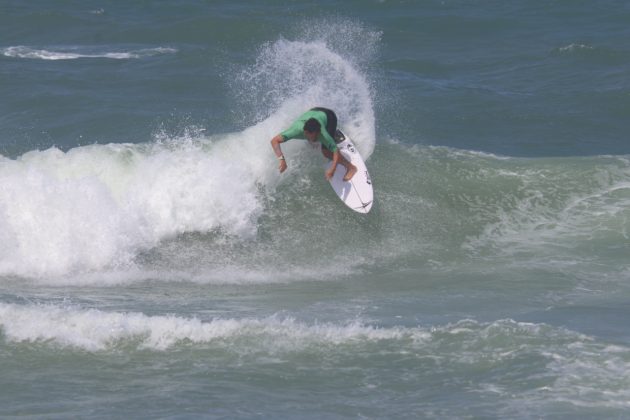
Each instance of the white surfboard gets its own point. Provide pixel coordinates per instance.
(356, 193)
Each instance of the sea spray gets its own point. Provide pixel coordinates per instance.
(318, 68)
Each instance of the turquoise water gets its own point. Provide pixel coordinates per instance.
(153, 263)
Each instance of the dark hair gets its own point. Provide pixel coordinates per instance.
(312, 125)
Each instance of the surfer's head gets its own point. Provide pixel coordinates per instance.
(312, 128)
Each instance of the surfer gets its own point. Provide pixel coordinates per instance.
(309, 126)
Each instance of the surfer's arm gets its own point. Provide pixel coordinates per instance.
(335, 159)
(328, 143)
(275, 145)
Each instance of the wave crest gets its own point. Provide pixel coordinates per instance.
(73, 53)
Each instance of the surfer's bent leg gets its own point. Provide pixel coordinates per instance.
(350, 168)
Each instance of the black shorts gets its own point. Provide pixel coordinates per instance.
(331, 120)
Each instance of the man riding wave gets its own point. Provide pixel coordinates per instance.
(309, 126)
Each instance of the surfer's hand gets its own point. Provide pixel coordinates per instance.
(330, 173)
(283, 165)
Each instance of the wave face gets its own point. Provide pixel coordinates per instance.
(215, 210)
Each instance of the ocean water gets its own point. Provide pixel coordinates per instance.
(155, 264)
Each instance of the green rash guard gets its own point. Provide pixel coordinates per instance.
(296, 131)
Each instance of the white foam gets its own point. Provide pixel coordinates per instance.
(94, 330)
(96, 207)
(73, 53)
(576, 47)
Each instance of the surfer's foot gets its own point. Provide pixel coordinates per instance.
(350, 172)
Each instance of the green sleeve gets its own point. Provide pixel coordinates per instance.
(296, 130)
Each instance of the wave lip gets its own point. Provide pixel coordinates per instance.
(73, 53)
